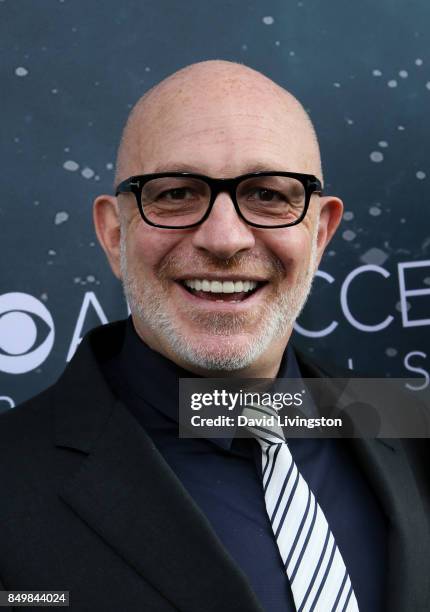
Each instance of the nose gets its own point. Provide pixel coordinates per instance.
(224, 233)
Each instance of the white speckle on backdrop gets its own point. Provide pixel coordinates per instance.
(391, 352)
(348, 215)
(403, 74)
(401, 128)
(376, 156)
(277, 43)
(348, 235)
(420, 175)
(91, 278)
(376, 72)
(268, 20)
(52, 252)
(21, 71)
(426, 281)
(392, 83)
(383, 144)
(375, 211)
(87, 173)
(428, 84)
(292, 53)
(70, 165)
(109, 166)
(399, 306)
(349, 121)
(418, 61)
(374, 256)
(61, 217)
(336, 84)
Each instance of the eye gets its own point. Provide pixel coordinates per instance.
(179, 193)
(26, 333)
(267, 195)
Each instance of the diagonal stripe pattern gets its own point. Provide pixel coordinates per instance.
(313, 563)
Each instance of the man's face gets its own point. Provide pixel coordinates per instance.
(208, 331)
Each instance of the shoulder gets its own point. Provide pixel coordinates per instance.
(21, 426)
(334, 381)
(26, 454)
(32, 423)
(36, 435)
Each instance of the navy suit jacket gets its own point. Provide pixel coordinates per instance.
(89, 505)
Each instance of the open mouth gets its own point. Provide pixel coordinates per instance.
(222, 291)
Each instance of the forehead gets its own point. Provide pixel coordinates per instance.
(223, 132)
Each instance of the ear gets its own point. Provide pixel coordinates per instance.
(108, 229)
(331, 210)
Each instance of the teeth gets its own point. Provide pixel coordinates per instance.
(220, 286)
(228, 287)
(240, 286)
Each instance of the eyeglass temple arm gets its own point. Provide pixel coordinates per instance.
(317, 187)
(126, 186)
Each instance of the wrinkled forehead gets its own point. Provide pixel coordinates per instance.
(241, 119)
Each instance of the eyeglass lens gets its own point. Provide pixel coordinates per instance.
(265, 200)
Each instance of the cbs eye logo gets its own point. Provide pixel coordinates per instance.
(22, 319)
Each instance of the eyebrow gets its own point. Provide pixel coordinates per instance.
(183, 167)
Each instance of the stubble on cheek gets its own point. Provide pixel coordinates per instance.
(153, 294)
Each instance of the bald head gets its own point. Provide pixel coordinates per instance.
(208, 89)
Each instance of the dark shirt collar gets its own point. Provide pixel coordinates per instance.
(155, 379)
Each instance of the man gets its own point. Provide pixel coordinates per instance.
(101, 496)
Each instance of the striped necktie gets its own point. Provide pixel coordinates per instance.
(313, 563)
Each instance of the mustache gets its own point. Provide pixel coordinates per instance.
(258, 264)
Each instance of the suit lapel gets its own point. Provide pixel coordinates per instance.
(127, 493)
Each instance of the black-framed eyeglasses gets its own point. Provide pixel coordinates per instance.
(180, 200)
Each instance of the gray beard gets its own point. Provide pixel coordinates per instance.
(276, 321)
